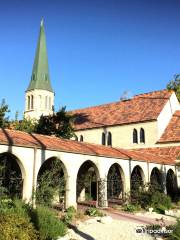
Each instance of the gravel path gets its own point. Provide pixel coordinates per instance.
(116, 230)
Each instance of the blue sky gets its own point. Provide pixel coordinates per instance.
(97, 48)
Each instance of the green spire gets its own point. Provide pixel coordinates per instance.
(40, 74)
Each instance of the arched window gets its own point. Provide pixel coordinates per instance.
(135, 136)
(50, 103)
(81, 138)
(40, 105)
(76, 138)
(29, 102)
(109, 140)
(142, 135)
(32, 101)
(103, 139)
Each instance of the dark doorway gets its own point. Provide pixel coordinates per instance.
(115, 185)
(11, 182)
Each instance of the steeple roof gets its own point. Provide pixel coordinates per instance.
(40, 78)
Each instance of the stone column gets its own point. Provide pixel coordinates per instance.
(102, 193)
(70, 198)
(164, 179)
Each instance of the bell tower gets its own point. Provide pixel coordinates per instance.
(39, 96)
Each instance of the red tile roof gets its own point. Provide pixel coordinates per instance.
(172, 132)
(143, 107)
(172, 152)
(17, 138)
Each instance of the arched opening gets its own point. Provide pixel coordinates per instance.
(156, 183)
(87, 179)
(51, 183)
(32, 101)
(28, 102)
(142, 135)
(81, 138)
(109, 140)
(11, 181)
(103, 139)
(137, 182)
(135, 136)
(171, 184)
(115, 184)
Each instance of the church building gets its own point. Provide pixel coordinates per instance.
(116, 144)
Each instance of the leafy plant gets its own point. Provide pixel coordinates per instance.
(94, 212)
(70, 212)
(131, 207)
(47, 223)
(175, 235)
(174, 85)
(15, 221)
(4, 109)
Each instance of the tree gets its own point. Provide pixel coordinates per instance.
(174, 85)
(25, 125)
(58, 124)
(4, 109)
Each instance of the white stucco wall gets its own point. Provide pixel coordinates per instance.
(165, 116)
(30, 161)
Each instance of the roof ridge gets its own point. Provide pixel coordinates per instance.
(156, 91)
(120, 101)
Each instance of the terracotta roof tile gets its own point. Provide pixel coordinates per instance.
(171, 152)
(143, 107)
(172, 132)
(17, 138)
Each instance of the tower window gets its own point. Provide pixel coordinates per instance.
(50, 103)
(28, 102)
(135, 136)
(32, 101)
(142, 135)
(103, 139)
(40, 101)
(109, 140)
(81, 138)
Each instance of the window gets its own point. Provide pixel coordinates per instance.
(50, 108)
(81, 138)
(28, 102)
(76, 138)
(135, 136)
(103, 139)
(40, 102)
(32, 102)
(109, 140)
(142, 135)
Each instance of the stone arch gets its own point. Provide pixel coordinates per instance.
(54, 170)
(137, 181)
(87, 182)
(12, 175)
(171, 183)
(156, 180)
(115, 184)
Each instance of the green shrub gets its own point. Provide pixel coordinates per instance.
(160, 209)
(14, 226)
(70, 212)
(175, 235)
(94, 212)
(131, 207)
(160, 199)
(47, 223)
